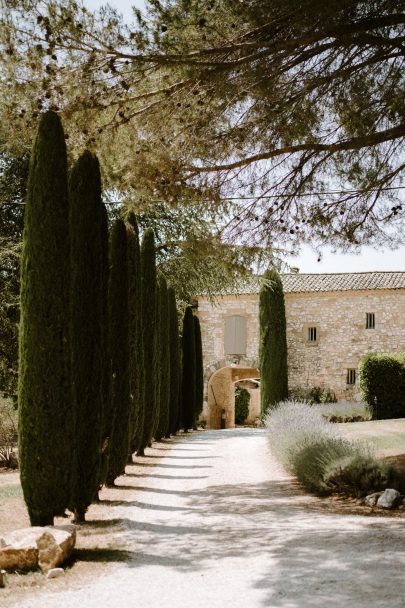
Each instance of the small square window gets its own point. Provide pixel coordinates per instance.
(312, 334)
(351, 376)
(370, 320)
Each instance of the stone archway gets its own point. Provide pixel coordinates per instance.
(221, 394)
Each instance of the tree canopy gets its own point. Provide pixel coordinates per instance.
(291, 112)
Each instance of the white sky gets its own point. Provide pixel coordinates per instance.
(368, 259)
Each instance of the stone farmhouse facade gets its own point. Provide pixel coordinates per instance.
(332, 321)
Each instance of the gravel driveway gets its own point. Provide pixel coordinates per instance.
(210, 520)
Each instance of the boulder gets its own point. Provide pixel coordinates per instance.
(46, 547)
(388, 499)
(371, 499)
(55, 572)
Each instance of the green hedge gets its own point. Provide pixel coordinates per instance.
(382, 383)
(242, 400)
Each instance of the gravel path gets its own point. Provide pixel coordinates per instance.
(209, 520)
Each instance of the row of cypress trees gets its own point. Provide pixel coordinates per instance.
(100, 355)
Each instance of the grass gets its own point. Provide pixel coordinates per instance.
(383, 435)
(10, 491)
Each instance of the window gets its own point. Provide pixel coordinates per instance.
(370, 320)
(311, 334)
(351, 376)
(235, 335)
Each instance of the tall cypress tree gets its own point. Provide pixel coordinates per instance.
(189, 371)
(45, 411)
(174, 359)
(164, 361)
(158, 371)
(135, 335)
(199, 370)
(107, 412)
(86, 328)
(273, 341)
(148, 305)
(119, 351)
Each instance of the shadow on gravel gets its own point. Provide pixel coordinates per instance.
(171, 466)
(335, 568)
(157, 476)
(101, 555)
(183, 457)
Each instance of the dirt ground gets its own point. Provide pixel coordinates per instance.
(211, 519)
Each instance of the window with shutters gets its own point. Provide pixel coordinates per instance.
(311, 334)
(351, 376)
(370, 320)
(235, 335)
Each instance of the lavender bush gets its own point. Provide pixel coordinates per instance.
(312, 449)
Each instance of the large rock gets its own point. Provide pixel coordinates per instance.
(371, 499)
(46, 547)
(388, 499)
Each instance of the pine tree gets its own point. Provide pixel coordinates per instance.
(164, 361)
(135, 335)
(273, 342)
(199, 370)
(86, 328)
(189, 371)
(148, 305)
(174, 358)
(45, 411)
(119, 351)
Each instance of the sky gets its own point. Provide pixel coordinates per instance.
(367, 260)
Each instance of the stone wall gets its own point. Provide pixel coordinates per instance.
(342, 337)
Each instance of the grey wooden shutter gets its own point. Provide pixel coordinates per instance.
(235, 335)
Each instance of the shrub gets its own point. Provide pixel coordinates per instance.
(344, 411)
(242, 400)
(324, 462)
(8, 435)
(382, 384)
(316, 394)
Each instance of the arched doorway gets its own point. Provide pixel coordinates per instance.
(221, 394)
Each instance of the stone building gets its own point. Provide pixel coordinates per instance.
(332, 321)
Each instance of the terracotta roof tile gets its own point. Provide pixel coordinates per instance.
(343, 281)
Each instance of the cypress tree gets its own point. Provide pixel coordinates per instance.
(135, 335)
(45, 412)
(157, 374)
(273, 342)
(119, 352)
(148, 306)
(174, 359)
(86, 328)
(106, 412)
(189, 371)
(199, 370)
(164, 361)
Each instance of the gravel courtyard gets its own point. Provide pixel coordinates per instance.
(210, 520)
